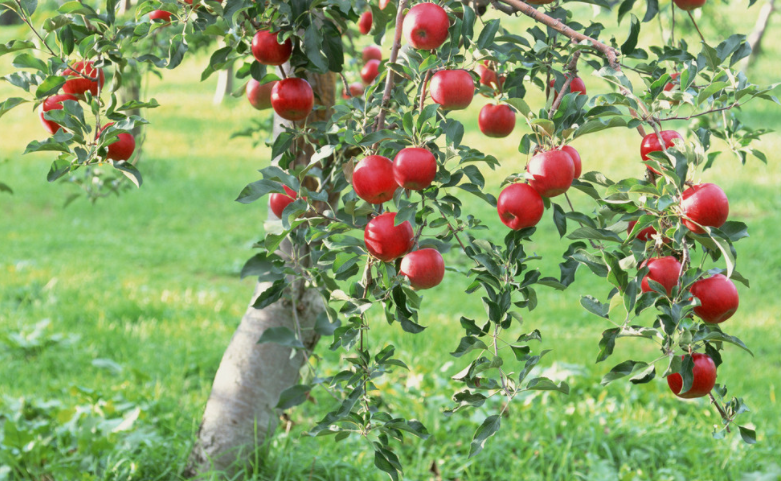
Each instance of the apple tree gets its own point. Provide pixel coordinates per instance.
(367, 182)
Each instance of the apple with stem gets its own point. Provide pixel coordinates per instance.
(664, 270)
(365, 23)
(704, 378)
(425, 268)
(520, 206)
(426, 26)
(552, 171)
(80, 85)
(371, 52)
(160, 15)
(452, 89)
(370, 71)
(386, 241)
(651, 143)
(718, 299)
(259, 95)
(267, 49)
(355, 89)
(496, 120)
(689, 5)
(704, 205)
(373, 179)
(414, 168)
(576, 85)
(278, 201)
(53, 103)
(123, 148)
(292, 98)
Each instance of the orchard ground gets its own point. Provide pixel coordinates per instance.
(142, 295)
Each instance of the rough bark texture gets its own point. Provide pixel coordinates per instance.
(240, 412)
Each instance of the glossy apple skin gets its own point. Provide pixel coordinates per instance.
(371, 52)
(414, 168)
(645, 234)
(452, 89)
(496, 120)
(123, 148)
(576, 85)
(706, 205)
(79, 85)
(425, 26)
(704, 373)
(425, 268)
(160, 15)
(370, 71)
(671, 84)
(385, 241)
(575, 156)
(689, 5)
(664, 270)
(519, 206)
(278, 202)
(718, 299)
(553, 172)
(356, 90)
(259, 95)
(373, 179)
(53, 103)
(365, 23)
(651, 143)
(292, 98)
(268, 51)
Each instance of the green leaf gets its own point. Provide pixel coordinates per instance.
(592, 305)
(130, 171)
(560, 219)
(622, 370)
(652, 8)
(488, 33)
(59, 168)
(382, 463)
(595, 234)
(545, 384)
(293, 396)
(27, 60)
(630, 44)
(607, 343)
(749, 435)
(467, 344)
(490, 426)
(520, 105)
(15, 46)
(281, 335)
(49, 86)
(10, 103)
(270, 295)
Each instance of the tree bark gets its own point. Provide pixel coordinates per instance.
(224, 82)
(755, 39)
(240, 413)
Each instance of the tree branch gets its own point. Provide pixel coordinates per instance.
(393, 56)
(572, 68)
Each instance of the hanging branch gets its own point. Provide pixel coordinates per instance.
(393, 56)
(572, 68)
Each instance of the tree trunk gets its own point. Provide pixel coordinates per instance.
(224, 84)
(240, 414)
(124, 6)
(755, 39)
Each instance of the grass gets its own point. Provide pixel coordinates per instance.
(142, 295)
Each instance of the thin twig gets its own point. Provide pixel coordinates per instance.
(572, 68)
(728, 107)
(390, 76)
(423, 91)
(721, 410)
(696, 26)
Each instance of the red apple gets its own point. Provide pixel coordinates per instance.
(664, 270)
(452, 89)
(370, 71)
(53, 103)
(414, 168)
(385, 241)
(704, 205)
(645, 234)
(488, 77)
(651, 144)
(365, 23)
(79, 85)
(553, 172)
(704, 373)
(278, 202)
(424, 268)
(576, 85)
(373, 179)
(267, 49)
(575, 159)
(689, 5)
(356, 90)
(372, 52)
(123, 148)
(292, 98)
(425, 26)
(520, 206)
(671, 84)
(496, 120)
(718, 298)
(259, 95)
(160, 15)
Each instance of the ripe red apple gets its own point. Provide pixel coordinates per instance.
(372, 52)
(278, 202)
(292, 98)
(496, 120)
(488, 77)
(452, 89)
(520, 206)
(664, 270)
(259, 95)
(268, 51)
(706, 205)
(414, 168)
(79, 85)
(672, 83)
(385, 241)
(718, 298)
(356, 90)
(575, 159)
(576, 85)
(425, 26)
(553, 172)
(644, 234)
(425, 268)
(370, 71)
(160, 15)
(689, 5)
(373, 179)
(123, 148)
(704, 373)
(365, 23)
(651, 143)
(53, 103)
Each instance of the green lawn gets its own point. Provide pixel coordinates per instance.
(141, 294)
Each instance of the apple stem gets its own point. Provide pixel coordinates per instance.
(390, 76)
(696, 26)
(346, 87)
(423, 90)
(282, 70)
